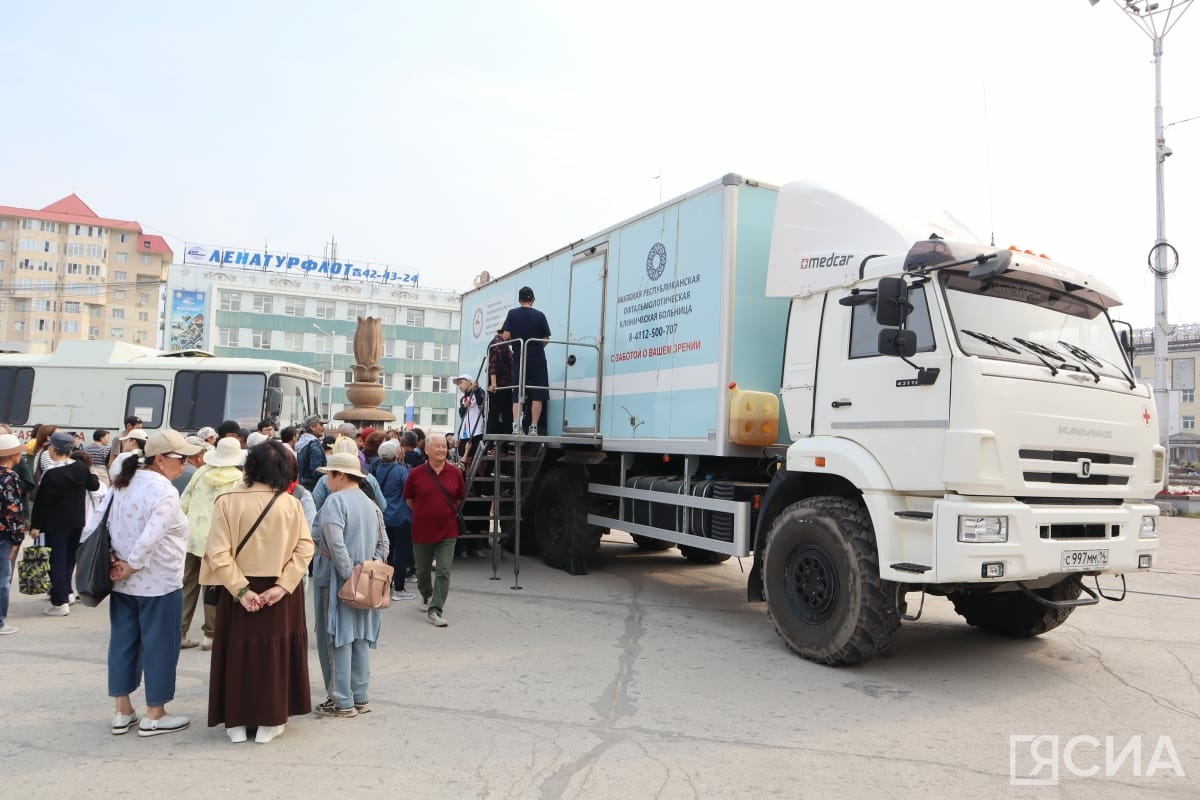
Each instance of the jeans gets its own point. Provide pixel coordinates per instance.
(351, 672)
(439, 587)
(400, 552)
(6, 547)
(320, 596)
(63, 546)
(144, 639)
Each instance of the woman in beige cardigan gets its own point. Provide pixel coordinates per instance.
(259, 674)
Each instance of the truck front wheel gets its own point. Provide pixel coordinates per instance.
(821, 581)
(1015, 614)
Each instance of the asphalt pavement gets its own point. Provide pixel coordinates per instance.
(650, 677)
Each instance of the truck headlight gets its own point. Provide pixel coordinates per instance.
(983, 529)
(1149, 529)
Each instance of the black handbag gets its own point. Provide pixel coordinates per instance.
(213, 593)
(93, 564)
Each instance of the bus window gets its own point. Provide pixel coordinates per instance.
(208, 398)
(146, 401)
(298, 399)
(16, 392)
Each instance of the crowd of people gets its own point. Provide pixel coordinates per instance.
(238, 522)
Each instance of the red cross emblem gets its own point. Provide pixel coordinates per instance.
(1146, 414)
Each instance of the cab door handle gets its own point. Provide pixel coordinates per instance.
(841, 403)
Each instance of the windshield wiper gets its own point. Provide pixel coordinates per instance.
(992, 340)
(1084, 356)
(1038, 350)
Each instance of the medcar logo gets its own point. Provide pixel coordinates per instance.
(824, 262)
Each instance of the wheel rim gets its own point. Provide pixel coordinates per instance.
(812, 584)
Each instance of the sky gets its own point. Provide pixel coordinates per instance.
(451, 138)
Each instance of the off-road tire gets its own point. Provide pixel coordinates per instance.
(1015, 615)
(821, 580)
(699, 556)
(565, 539)
(650, 543)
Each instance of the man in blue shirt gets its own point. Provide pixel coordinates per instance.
(526, 323)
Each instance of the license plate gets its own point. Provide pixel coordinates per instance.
(1084, 559)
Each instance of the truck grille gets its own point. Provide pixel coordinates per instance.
(1079, 467)
(1079, 530)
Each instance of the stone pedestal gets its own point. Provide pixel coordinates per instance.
(365, 393)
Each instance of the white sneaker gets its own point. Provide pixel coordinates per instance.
(123, 722)
(437, 620)
(236, 735)
(167, 723)
(533, 431)
(58, 611)
(402, 595)
(516, 431)
(73, 598)
(268, 732)
(423, 606)
(8, 630)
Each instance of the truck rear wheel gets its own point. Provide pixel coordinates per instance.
(821, 580)
(1014, 614)
(564, 537)
(700, 556)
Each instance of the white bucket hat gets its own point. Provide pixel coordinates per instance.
(343, 462)
(227, 453)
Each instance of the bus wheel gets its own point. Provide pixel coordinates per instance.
(821, 580)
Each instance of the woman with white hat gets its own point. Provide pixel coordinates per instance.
(222, 471)
(349, 531)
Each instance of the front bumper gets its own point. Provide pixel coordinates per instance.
(1028, 555)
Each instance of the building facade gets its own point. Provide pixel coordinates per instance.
(309, 318)
(1183, 356)
(67, 273)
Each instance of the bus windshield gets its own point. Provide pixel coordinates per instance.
(299, 398)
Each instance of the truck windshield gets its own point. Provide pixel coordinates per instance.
(1006, 318)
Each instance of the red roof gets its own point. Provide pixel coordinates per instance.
(154, 244)
(70, 210)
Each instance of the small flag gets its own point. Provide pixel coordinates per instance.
(410, 413)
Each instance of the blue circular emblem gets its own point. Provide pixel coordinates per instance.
(656, 261)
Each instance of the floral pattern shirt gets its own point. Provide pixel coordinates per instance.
(12, 507)
(149, 531)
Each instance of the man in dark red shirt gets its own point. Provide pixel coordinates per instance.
(434, 491)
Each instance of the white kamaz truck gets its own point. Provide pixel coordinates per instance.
(870, 408)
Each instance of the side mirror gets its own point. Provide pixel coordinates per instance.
(896, 342)
(274, 402)
(891, 302)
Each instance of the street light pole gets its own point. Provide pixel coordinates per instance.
(329, 398)
(1156, 20)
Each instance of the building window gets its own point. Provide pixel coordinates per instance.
(414, 317)
(349, 346)
(441, 352)
(325, 309)
(70, 307)
(92, 270)
(231, 301)
(348, 377)
(293, 342)
(45, 266)
(389, 348)
(439, 417)
(95, 312)
(49, 227)
(119, 294)
(440, 383)
(228, 337)
(355, 310)
(406, 382)
(293, 307)
(93, 333)
(120, 276)
(262, 303)
(147, 259)
(143, 316)
(388, 315)
(74, 269)
(116, 333)
(28, 224)
(324, 344)
(439, 320)
(140, 336)
(143, 299)
(1189, 396)
(70, 326)
(260, 339)
(93, 251)
(1189, 423)
(118, 313)
(122, 238)
(122, 258)
(412, 349)
(18, 325)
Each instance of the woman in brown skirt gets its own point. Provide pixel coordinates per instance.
(259, 673)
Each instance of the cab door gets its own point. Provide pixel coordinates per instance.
(875, 400)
